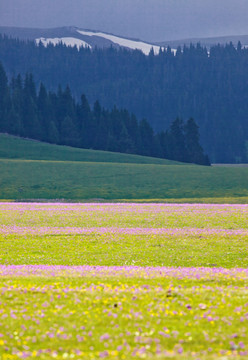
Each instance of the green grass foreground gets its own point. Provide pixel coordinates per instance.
(120, 318)
(114, 315)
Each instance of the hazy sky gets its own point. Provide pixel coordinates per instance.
(151, 20)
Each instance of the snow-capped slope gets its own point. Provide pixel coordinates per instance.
(73, 36)
(131, 44)
(68, 41)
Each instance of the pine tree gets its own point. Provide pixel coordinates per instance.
(43, 111)
(3, 97)
(177, 147)
(147, 138)
(13, 122)
(52, 133)
(69, 133)
(194, 150)
(17, 96)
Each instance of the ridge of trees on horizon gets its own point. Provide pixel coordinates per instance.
(208, 86)
(57, 118)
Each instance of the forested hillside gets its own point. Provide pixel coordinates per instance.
(210, 87)
(57, 118)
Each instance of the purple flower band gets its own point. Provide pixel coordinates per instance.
(127, 271)
(22, 230)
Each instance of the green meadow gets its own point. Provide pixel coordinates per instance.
(122, 234)
(33, 170)
(12, 147)
(119, 290)
(118, 279)
(66, 317)
(139, 250)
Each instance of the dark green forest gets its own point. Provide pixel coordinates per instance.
(211, 87)
(57, 118)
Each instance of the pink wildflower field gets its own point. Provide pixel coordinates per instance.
(123, 281)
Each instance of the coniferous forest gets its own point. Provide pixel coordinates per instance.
(57, 118)
(208, 86)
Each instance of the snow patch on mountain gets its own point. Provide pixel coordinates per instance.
(131, 44)
(68, 41)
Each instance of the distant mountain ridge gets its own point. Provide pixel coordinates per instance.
(208, 85)
(74, 36)
(207, 42)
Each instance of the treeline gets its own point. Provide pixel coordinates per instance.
(209, 86)
(57, 118)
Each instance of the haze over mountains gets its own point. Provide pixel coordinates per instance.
(206, 84)
(210, 86)
(73, 36)
(149, 20)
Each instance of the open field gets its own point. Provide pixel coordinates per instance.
(124, 234)
(123, 281)
(34, 170)
(32, 179)
(92, 314)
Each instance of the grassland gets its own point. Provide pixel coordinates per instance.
(123, 281)
(114, 249)
(128, 234)
(12, 147)
(94, 317)
(31, 179)
(126, 280)
(34, 170)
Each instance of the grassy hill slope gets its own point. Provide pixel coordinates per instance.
(12, 147)
(33, 170)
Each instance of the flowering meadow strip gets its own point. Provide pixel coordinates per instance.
(123, 271)
(123, 208)
(98, 206)
(198, 310)
(11, 229)
(123, 313)
(157, 216)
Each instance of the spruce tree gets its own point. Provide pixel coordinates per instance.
(3, 97)
(69, 132)
(194, 150)
(177, 146)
